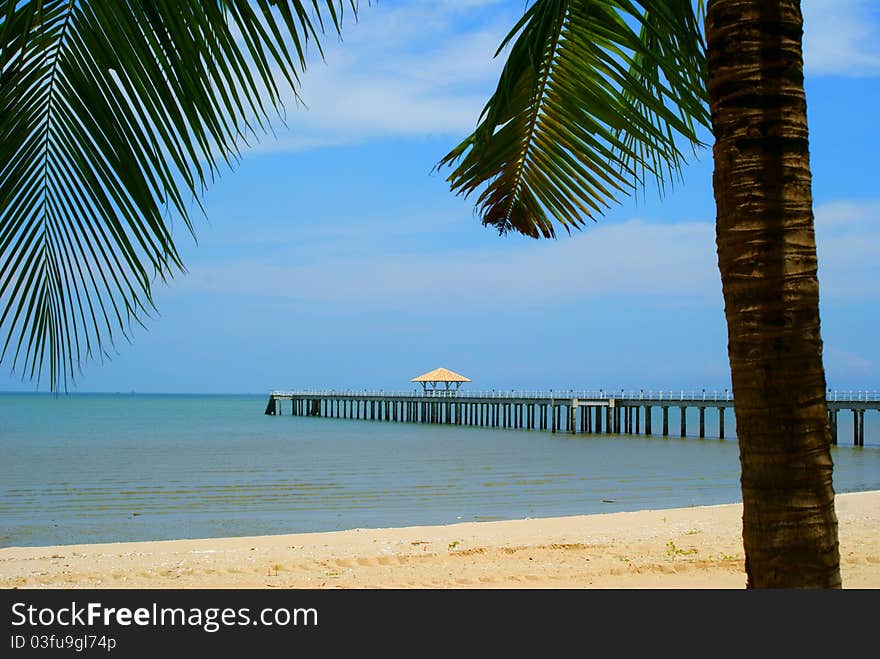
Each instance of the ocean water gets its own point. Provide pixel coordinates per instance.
(107, 468)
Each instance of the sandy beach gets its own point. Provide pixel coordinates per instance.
(698, 547)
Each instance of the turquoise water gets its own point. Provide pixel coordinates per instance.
(104, 468)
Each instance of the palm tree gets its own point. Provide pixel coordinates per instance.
(115, 115)
(767, 259)
(597, 94)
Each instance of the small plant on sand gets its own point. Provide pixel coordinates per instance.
(452, 545)
(692, 532)
(672, 551)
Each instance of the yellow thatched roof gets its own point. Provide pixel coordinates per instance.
(441, 375)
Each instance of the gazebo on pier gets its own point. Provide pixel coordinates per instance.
(440, 376)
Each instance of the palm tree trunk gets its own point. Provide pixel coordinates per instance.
(767, 259)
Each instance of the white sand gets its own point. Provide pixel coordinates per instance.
(697, 547)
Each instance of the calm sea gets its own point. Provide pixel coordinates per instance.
(104, 468)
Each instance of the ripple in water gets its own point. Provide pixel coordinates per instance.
(102, 468)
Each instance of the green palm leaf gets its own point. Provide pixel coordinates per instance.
(114, 116)
(595, 96)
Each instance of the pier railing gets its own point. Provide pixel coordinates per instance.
(712, 395)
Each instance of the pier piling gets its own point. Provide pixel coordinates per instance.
(593, 413)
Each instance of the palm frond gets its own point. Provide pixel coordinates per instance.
(595, 96)
(114, 116)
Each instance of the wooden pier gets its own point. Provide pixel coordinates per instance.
(618, 413)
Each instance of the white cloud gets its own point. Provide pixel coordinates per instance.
(633, 258)
(842, 37)
(847, 216)
(848, 245)
(412, 69)
(425, 68)
(848, 362)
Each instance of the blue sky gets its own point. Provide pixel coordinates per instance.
(334, 257)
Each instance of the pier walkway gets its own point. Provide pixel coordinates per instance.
(620, 412)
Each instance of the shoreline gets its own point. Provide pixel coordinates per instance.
(696, 547)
